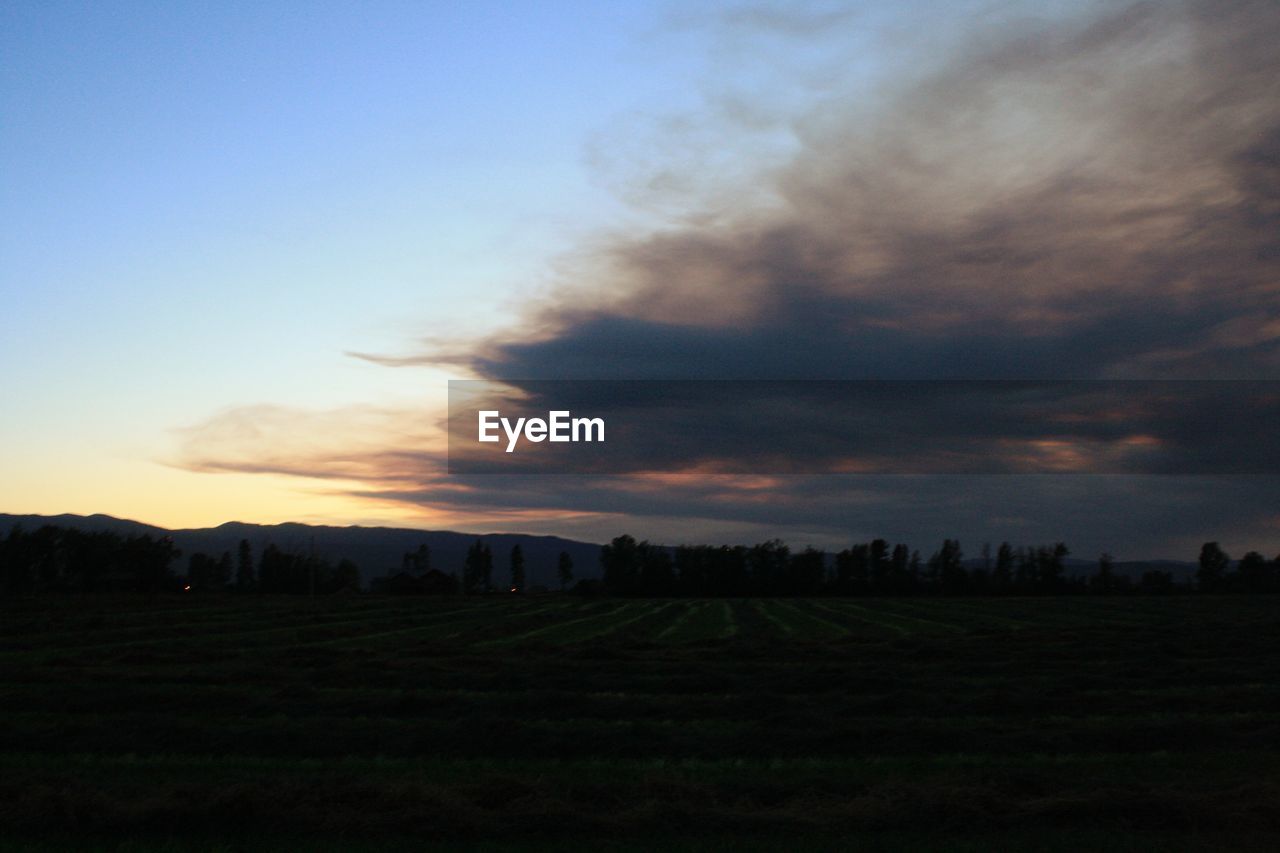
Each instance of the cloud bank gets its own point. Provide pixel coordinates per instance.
(1091, 198)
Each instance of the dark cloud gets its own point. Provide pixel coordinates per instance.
(895, 427)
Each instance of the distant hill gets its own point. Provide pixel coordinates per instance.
(109, 523)
(378, 551)
(1181, 570)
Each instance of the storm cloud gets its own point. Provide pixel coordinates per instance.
(894, 427)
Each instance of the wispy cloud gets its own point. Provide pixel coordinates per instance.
(1096, 200)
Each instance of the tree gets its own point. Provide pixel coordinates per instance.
(419, 561)
(517, 569)
(768, 565)
(900, 574)
(1025, 573)
(853, 570)
(1253, 574)
(246, 576)
(150, 559)
(808, 571)
(946, 568)
(657, 575)
(1002, 575)
(620, 566)
(224, 570)
(1156, 583)
(274, 570)
(346, 577)
(1212, 574)
(1050, 564)
(693, 570)
(564, 569)
(205, 574)
(711, 570)
(1105, 580)
(914, 571)
(477, 572)
(878, 560)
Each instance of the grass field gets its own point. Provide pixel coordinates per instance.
(561, 723)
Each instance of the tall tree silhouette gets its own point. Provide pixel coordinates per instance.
(808, 572)
(877, 564)
(246, 576)
(1051, 564)
(564, 569)
(1212, 574)
(900, 573)
(620, 566)
(946, 568)
(477, 572)
(1105, 579)
(1254, 574)
(768, 564)
(853, 570)
(417, 562)
(1002, 574)
(517, 569)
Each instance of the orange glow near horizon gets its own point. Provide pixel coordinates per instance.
(173, 498)
(696, 475)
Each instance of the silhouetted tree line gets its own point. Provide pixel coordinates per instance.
(1253, 572)
(477, 569)
(280, 571)
(55, 559)
(418, 578)
(276, 571)
(632, 568)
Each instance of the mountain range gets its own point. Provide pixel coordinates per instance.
(378, 551)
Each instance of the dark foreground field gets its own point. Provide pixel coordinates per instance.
(555, 723)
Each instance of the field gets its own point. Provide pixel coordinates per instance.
(551, 722)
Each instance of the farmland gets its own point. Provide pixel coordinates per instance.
(367, 722)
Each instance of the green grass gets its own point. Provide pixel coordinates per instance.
(551, 722)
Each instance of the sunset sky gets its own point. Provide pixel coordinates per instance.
(243, 247)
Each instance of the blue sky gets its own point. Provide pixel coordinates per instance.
(276, 179)
(206, 205)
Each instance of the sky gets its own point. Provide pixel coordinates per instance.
(243, 248)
